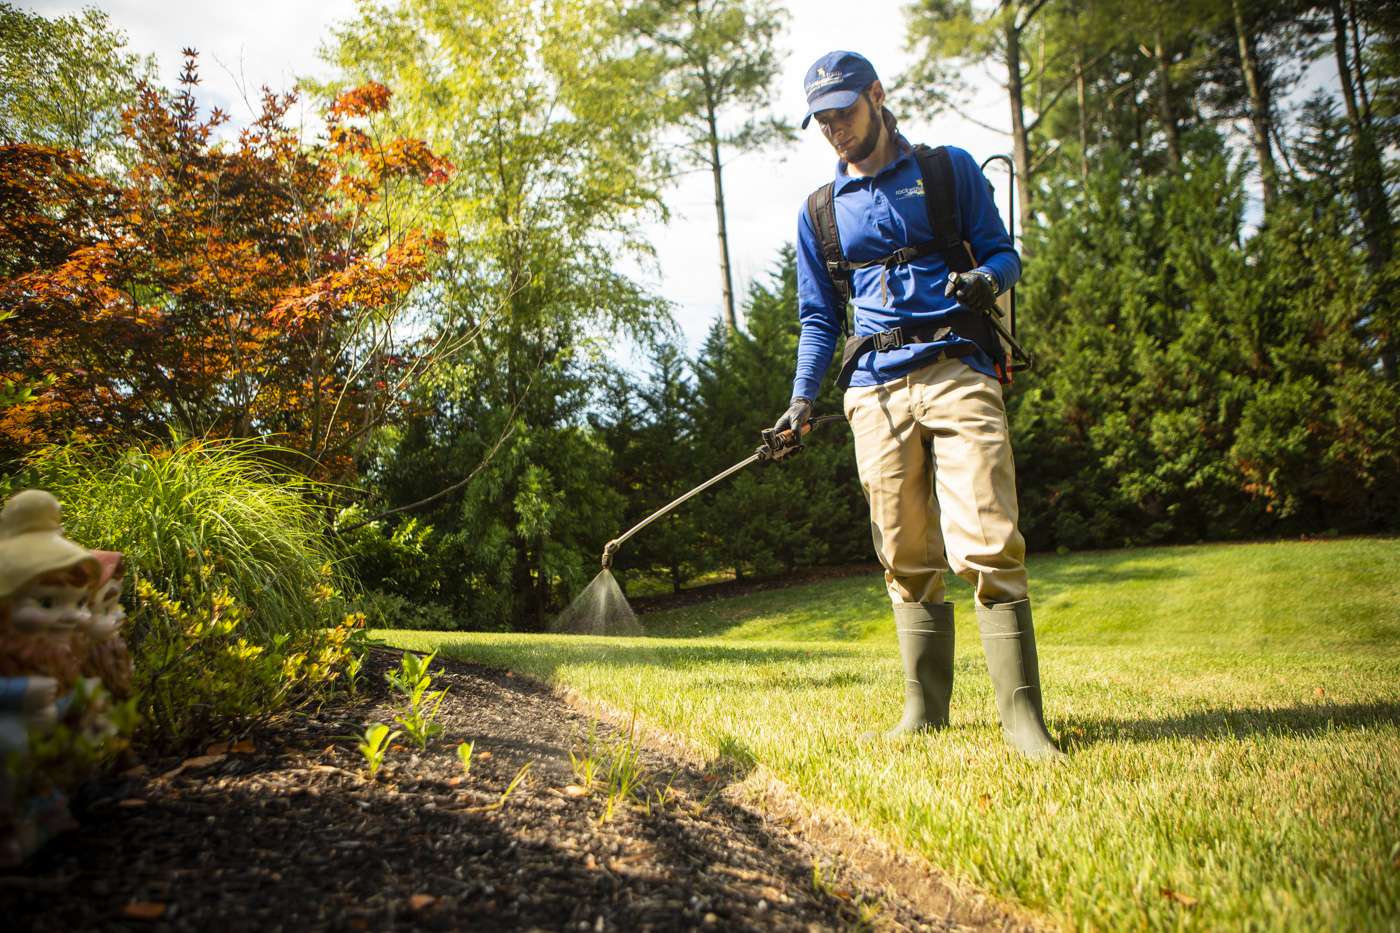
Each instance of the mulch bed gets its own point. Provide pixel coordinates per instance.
(284, 832)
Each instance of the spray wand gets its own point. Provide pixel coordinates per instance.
(776, 446)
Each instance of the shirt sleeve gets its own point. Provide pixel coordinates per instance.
(817, 312)
(982, 226)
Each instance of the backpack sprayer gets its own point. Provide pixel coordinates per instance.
(602, 608)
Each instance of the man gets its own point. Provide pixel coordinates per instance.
(924, 398)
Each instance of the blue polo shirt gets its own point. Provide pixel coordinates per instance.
(875, 217)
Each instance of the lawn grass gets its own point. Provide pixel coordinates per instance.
(1232, 714)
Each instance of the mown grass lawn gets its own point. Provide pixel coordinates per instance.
(1232, 714)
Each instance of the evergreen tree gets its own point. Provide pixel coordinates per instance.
(649, 430)
(805, 509)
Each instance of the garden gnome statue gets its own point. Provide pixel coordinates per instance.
(46, 590)
(100, 647)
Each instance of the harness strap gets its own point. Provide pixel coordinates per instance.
(898, 258)
(821, 212)
(941, 202)
(897, 337)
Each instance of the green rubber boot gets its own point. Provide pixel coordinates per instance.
(1008, 637)
(925, 633)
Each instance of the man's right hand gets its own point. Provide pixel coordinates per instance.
(798, 414)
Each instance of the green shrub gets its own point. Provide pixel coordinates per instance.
(390, 610)
(394, 559)
(236, 600)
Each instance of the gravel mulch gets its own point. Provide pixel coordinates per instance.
(283, 832)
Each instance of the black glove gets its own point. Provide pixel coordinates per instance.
(975, 290)
(799, 413)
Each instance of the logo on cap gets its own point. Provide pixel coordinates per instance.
(824, 79)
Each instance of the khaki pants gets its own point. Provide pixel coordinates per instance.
(940, 428)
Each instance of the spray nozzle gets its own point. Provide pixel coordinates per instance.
(609, 551)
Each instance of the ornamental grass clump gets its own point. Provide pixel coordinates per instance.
(236, 605)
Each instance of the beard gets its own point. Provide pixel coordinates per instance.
(861, 149)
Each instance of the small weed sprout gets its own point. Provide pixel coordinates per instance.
(464, 755)
(584, 761)
(585, 767)
(515, 781)
(616, 768)
(661, 797)
(375, 745)
(353, 664)
(510, 789)
(418, 716)
(505, 795)
(624, 779)
(868, 915)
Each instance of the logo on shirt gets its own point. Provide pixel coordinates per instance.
(915, 190)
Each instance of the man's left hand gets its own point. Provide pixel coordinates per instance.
(975, 290)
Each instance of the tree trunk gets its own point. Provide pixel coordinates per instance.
(726, 281)
(1164, 103)
(1367, 176)
(1020, 141)
(1259, 116)
(1082, 92)
(1365, 98)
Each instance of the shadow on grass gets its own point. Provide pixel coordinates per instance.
(516, 655)
(734, 759)
(840, 609)
(787, 682)
(1235, 723)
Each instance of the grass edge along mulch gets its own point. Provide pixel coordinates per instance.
(891, 865)
(1231, 712)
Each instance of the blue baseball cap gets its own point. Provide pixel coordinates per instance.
(835, 81)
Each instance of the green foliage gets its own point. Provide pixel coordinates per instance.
(557, 158)
(716, 65)
(66, 80)
(679, 429)
(237, 607)
(374, 746)
(803, 510)
(390, 610)
(1194, 385)
(713, 61)
(395, 557)
(649, 431)
(464, 756)
(418, 714)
